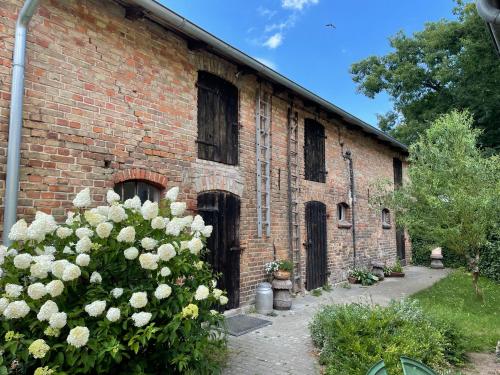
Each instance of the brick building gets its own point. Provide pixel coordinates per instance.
(128, 95)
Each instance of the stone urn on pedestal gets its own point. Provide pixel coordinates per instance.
(282, 286)
(437, 258)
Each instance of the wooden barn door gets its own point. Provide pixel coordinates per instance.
(316, 245)
(222, 210)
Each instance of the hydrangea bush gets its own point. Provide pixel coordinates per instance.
(120, 288)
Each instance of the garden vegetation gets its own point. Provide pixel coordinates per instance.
(117, 289)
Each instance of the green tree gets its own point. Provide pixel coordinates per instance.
(451, 64)
(452, 197)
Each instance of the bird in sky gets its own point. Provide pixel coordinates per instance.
(331, 25)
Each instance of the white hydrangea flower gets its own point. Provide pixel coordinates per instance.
(163, 291)
(113, 314)
(174, 227)
(41, 226)
(84, 232)
(57, 268)
(198, 224)
(184, 245)
(49, 250)
(223, 300)
(95, 278)
(195, 245)
(198, 265)
(82, 199)
(112, 197)
(58, 320)
(23, 261)
(78, 336)
(127, 235)
(64, 232)
(4, 302)
(141, 318)
(83, 245)
(148, 243)
(67, 250)
(207, 231)
(40, 269)
(47, 310)
(117, 214)
(172, 194)
(158, 223)
(103, 230)
(217, 293)
(70, 220)
(165, 271)
(166, 252)
(16, 310)
(37, 291)
(19, 231)
(117, 292)
(149, 210)
(131, 253)
(82, 260)
(102, 210)
(149, 261)
(94, 218)
(95, 308)
(138, 300)
(11, 253)
(13, 290)
(55, 288)
(133, 203)
(71, 272)
(202, 293)
(186, 221)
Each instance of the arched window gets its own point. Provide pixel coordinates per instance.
(386, 218)
(343, 215)
(143, 189)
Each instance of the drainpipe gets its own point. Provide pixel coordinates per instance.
(489, 10)
(16, 118)
(347, 156)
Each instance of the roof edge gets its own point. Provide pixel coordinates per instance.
(158, 12)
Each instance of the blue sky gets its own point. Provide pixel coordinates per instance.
(291, 37)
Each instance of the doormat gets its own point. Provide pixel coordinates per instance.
(240, 324)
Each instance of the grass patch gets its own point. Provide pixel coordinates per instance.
(453, 299)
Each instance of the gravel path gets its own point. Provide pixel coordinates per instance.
(285, 347)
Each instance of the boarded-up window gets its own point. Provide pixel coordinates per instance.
(314, 151)
(217, 119)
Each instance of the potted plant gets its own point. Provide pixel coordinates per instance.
(280, 269)
(362, 276)
(354, 276)
(395, 271)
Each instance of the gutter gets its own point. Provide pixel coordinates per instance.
(16, 118)
(489, 10)
(159, 13)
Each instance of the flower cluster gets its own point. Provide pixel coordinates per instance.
(63, 284)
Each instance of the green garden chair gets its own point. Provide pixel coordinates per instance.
(410, 367)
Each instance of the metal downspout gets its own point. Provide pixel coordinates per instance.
(16, 118)
(348, 157)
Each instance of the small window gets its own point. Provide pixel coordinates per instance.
(314, 151)
(386, 218)
(217, 119)
(343, 215)
(143, 189)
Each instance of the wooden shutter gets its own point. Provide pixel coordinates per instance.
(217, 119)
(314, 151)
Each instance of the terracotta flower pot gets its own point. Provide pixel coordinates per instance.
(352, 280)
(282, 275)
(395, 274)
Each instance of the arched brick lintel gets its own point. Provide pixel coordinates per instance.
(141, 174)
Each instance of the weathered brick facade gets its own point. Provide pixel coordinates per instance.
(109, 99)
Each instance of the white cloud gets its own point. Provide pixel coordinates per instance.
(289, 22)
(265, 12)
(297, 4)
(267, 62)
(273, 41)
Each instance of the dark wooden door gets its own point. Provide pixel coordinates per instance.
(400, 233)
(222, 210)
(316, 245)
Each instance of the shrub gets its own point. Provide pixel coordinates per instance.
(116, 289)
(364, 276)
(352, 338)
(489, 264)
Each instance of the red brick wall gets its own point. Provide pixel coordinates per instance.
(107, 98)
